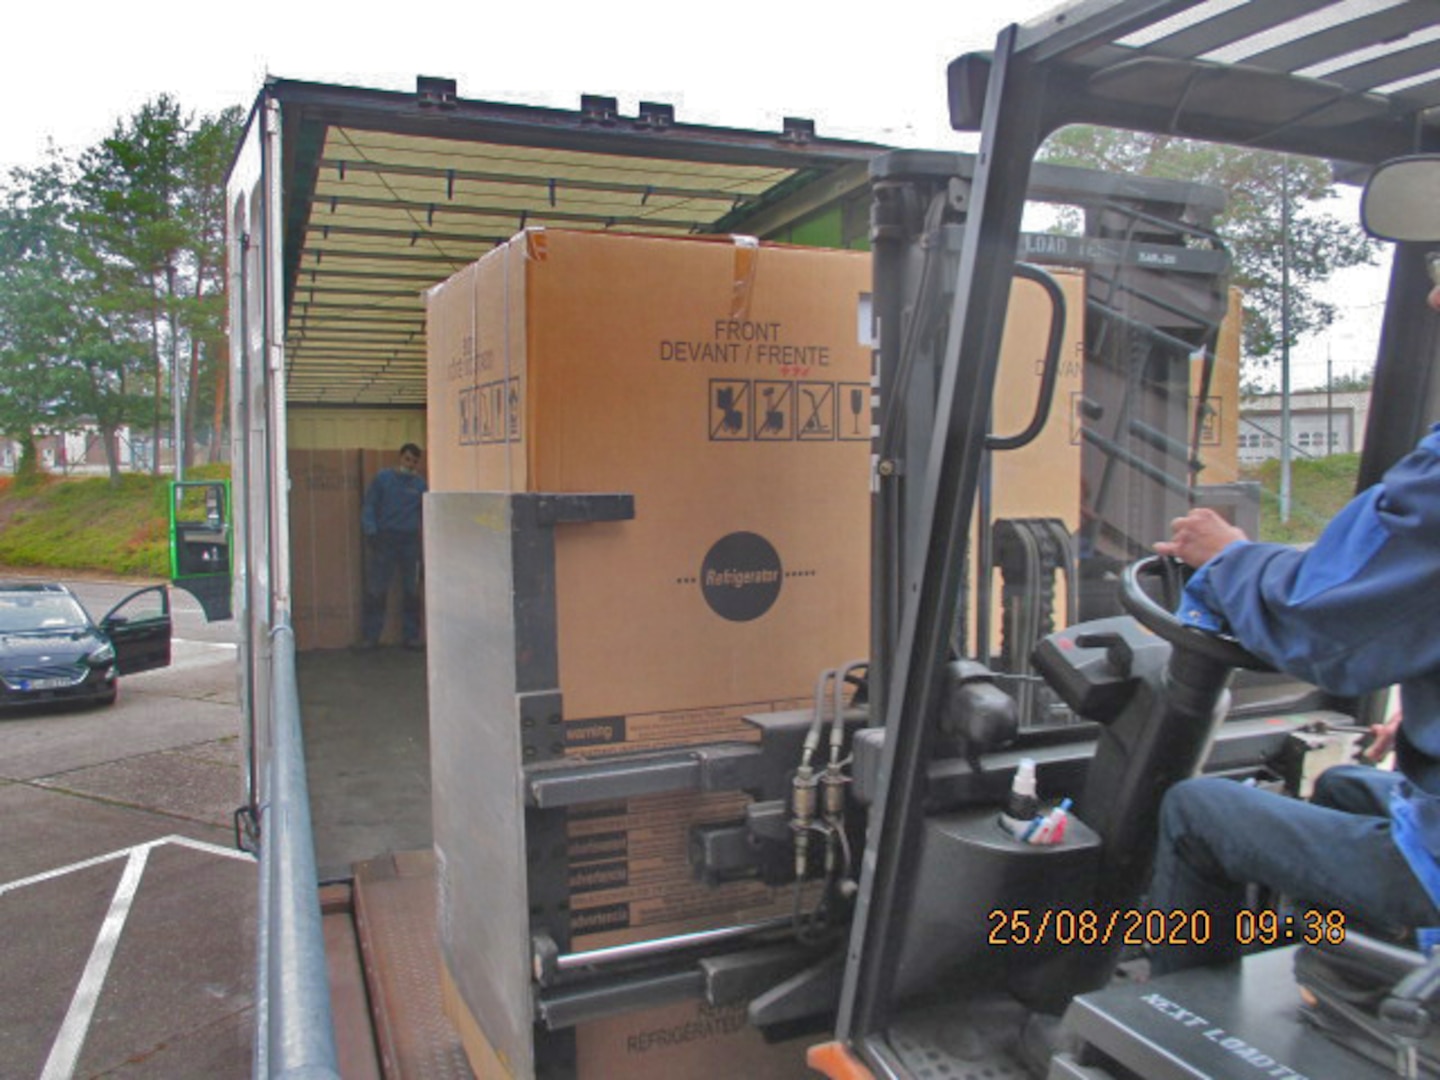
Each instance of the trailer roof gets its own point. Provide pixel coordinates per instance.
(388, 193)
(1348, 80)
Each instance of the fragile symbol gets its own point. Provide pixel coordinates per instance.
(729, 409)
(853, 423)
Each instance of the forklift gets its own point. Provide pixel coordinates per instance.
(1014, 654)
(1008, 647)
(945, 973)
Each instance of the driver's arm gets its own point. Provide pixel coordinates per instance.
(1355, 612)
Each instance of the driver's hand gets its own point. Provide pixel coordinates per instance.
(1198, 537)
(1382, 739)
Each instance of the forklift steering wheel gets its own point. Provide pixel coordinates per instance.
(1221, 648)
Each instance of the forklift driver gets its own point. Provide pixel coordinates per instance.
(1354, 613)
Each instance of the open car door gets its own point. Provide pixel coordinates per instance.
(140, 627)
(200, 543)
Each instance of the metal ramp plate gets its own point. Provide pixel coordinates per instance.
(395, 922)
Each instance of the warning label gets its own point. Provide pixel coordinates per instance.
(599, 919)
(490, 412)
(774, 410)
(596, 731)
(817, 410)
(729, 410)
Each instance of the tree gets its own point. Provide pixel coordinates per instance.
(204, 163)
(68, 350)
(34, 306)
(151, 203)
(126, 207)
(1353, 382)
(111, 277)
(1262, 232)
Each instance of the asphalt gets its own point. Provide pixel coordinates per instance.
(127, 915)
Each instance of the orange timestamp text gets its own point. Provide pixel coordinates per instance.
(1143, 928)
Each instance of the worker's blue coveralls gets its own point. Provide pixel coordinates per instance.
(1356, 612)
(390, 520)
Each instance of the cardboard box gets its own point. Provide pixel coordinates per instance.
(725, 386)
(1220, 429)
(687, 1040)
(327, 551)
(325, 548)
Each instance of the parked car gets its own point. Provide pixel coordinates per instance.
(52, 650)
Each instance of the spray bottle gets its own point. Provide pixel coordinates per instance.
(1021, 804)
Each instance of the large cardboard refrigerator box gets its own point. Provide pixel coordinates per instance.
(724, 385)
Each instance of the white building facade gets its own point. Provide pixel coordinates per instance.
(1321, 424)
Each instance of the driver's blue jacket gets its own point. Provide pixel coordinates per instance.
(1357, 611)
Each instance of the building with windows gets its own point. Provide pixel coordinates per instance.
(1321, 424)
(81, 451)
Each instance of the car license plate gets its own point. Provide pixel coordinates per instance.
(44, 684)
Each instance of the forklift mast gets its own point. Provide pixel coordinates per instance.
(1305, 78)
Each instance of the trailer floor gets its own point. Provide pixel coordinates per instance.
(367, 752)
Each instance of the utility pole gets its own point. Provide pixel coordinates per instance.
(1285, 339)
(1329, 402)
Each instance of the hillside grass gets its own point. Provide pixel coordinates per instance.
(86, 524)
(1319, 487)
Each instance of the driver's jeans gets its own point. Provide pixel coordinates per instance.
(1332, 854)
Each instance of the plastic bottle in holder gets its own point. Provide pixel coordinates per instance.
(1021, 805)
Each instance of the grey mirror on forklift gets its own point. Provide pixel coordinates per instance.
(1402, 199)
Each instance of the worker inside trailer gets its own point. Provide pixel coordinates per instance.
(1354, 613)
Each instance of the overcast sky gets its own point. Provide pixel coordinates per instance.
(876, 72)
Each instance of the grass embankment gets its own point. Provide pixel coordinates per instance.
(1319, 487)
(86, 524)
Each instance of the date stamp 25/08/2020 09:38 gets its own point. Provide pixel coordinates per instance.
(1022, 927)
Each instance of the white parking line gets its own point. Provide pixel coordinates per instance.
(85, 864)
(65, 1051)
